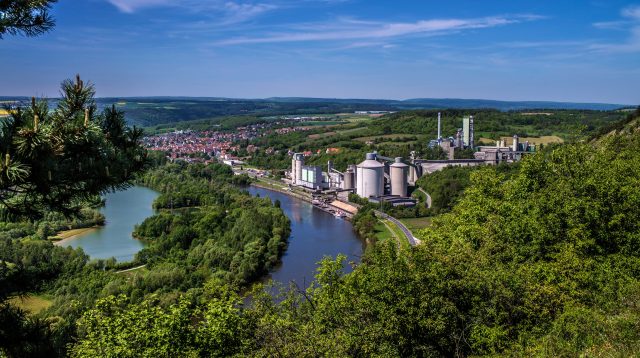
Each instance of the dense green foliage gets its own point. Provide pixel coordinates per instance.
(152, 112)
(230, 238)
(447, 185)
(233, 237)
(541, 262)
(57, 160)
(55, 164)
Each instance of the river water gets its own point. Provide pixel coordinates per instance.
(123, 210)
(314, 233)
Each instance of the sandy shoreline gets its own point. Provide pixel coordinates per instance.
(70, 235)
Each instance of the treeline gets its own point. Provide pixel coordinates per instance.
(221, 232)
(154, 111)
(184, 185)
(50, 224)
(542, 262)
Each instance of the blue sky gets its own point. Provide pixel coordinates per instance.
(509, 50)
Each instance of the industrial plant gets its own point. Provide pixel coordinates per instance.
(382, 179)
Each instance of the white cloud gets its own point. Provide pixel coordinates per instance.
(630, 24)
(230, 11)
(632, 12)
(349, 29)
(236, 12)
(130, 6)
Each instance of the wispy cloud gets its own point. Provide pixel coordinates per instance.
(350, 29)
(131, 6)
(632, 12)
(630, 22)
(229, 11)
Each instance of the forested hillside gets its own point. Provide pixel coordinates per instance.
(540, 262)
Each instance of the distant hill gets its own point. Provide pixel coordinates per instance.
(149, 111)
(457, 103)
(510, 105)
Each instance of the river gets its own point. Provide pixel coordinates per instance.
(314, 233)
(123, 210)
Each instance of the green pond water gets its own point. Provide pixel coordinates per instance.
(123, 210)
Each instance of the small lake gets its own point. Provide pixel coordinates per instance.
(314, 235)
(123, 210)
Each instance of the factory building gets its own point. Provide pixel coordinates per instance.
(297, 162)
(370, 177)
(394, 200)
(349, 181)
(311, 177)
(467, 131)
(503, 153)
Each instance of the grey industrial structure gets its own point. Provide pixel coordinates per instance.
(383, 179)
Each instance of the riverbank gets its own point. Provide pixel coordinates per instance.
(287, 191)
(64, 237)
(328, 208)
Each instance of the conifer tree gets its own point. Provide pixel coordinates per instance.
(26, 17)
(57, 160)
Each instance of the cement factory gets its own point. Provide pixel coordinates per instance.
(382, 179)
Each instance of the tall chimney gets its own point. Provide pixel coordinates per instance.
(471, 130)
(439, 127)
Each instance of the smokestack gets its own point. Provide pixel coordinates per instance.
(439, 127)
(471, 132)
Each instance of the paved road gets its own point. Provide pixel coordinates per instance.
(428, 197)
(131, 269)
(412, 239)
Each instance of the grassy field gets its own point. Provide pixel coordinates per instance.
(398, 234)
(32, 304)
(355, 118)
(532, 140)
(382, 232)
(416, 223)
(385, 136)
(336, 132)
(321, 123)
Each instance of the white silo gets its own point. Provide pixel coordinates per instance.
(294, 172)
(398, 172)
(348, 179)
(370, 177)
(298, 162)
(516, 143)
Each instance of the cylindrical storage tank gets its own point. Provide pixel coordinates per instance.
(294, 170)
(370, 174)
(516, 143)
(354, 170)
(348, 179)
(398, 172)
(299, 164)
